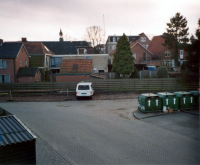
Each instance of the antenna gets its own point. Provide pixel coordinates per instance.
(104, 33)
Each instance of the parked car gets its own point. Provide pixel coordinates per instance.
(84, 89)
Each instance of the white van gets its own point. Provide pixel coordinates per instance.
(84, 89)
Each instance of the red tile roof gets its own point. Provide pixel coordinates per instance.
(37, 48)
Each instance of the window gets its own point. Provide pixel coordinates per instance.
(58, 60)
(143, 39)
(110, 47)
(167, 53)
(147, 46)
(4, 78)
(75, 66)
(118, 38)
(20, 63)
(128, 38)
(144, 57)
(113, 47)
(3, 63)
(83, 87)
(181, 54)
(26, 63)
(114, 39)
(134, 55)
(88, 57)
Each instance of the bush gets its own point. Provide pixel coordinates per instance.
(117, 75)
(162, 72)
(147, 76)
(135, 74)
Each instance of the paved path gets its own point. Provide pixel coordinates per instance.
(102, 132)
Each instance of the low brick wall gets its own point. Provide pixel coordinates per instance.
(72, 77)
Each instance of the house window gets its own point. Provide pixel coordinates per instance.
(114, 39)
(181, 54)
(4, 78)
(3, 63)
(88, 57)
(144, 56)
(143, 39)
(128, 38)
(167, 53)
(113, 47)
(75, 66)
(58, 60)
(117, 38)
(134, 55)
(26, 63)
(20, 63)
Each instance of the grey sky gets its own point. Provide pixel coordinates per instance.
(41, 20)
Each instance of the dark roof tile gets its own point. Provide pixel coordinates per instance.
(31, 71)
(10, 50)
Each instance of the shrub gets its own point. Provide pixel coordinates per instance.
(162, 72)
(135, 74)
(117, 75)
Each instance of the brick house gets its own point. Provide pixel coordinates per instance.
(12, 57)
(140, 53)
(31, 74)
(164, 55)
(112, 41)
(39, 55)
(74, 70)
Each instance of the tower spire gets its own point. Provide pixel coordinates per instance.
(61, 35)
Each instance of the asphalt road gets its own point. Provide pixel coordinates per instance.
(103, 132)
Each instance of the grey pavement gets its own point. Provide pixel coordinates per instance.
(93, 132)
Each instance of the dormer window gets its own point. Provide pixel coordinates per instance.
(114, 39)
(143, 39)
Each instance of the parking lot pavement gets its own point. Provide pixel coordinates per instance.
(100, 132)
(180, 122)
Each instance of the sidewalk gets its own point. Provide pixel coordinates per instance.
(141, 115)
(45, 154)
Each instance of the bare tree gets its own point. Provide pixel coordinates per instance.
(150, 36)
(95, 35)
(68, 37)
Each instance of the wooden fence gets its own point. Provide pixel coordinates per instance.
(99, 85)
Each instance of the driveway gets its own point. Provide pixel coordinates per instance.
(105, 132)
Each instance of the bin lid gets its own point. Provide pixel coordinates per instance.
(164, 94)
(181, 93)
(194, 92)
(146, 95)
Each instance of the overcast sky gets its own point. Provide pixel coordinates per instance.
(41, 20)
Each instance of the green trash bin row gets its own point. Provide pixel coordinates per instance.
(149, 102)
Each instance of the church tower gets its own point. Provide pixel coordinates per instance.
(61, 36)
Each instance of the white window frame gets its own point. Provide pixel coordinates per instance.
(114, 39)
(2, 62)
(134, 55)
(167, 53)
(113, 47)
(143, 39)
(181, 54)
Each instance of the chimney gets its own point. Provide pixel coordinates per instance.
(24, 40)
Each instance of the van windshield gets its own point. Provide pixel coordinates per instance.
(83, 87)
